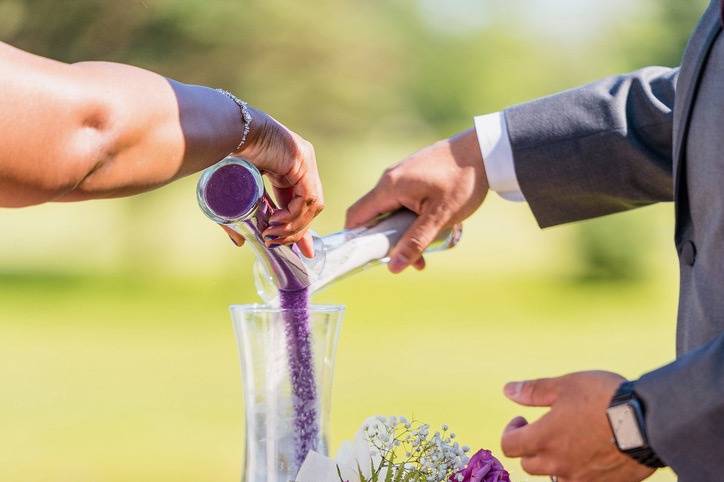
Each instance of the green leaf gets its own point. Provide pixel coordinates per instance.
(401, 473)
(361, 476)
(408, 477)
(390, 473)
(375, 473)
(390, 466)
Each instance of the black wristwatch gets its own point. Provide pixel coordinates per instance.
(626, 416)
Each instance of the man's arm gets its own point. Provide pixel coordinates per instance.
(684, 404)
(598, 149)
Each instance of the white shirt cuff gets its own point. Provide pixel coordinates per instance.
(492, 130)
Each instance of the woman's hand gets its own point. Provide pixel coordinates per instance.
(289, 162)
(443, 183)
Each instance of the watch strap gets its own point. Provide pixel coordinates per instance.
(624, 393)
(644, 455)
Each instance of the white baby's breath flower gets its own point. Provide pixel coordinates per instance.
(398, 448)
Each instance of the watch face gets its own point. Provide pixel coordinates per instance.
(625, 427)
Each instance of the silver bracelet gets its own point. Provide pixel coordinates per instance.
(246, 117)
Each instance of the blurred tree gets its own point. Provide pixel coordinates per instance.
(613, 248)
(616, 248)
(661, 41)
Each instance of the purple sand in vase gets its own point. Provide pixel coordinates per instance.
(301, 371)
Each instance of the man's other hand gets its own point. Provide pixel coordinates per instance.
(573, 441)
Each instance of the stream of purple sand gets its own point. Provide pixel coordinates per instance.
(301, 371)
(230, 193)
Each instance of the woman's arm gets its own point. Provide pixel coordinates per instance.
(98, 129)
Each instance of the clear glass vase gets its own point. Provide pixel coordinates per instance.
(272, 412)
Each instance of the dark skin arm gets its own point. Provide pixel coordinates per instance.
(90, 130)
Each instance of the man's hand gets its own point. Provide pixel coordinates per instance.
(290, 164)
(443, 183)
(573, 441)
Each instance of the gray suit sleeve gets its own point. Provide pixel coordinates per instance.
(596, 150)
(684, 404)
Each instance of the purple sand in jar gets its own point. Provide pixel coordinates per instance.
(301, 371)
(231, 191)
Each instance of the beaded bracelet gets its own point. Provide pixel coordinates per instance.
(246, 117)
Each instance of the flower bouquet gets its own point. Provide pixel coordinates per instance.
(395, 449)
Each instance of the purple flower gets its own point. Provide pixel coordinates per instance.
(482, 467)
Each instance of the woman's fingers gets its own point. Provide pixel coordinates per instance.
(290, 224)
(235, 237)
(306, 245)
(290, 163)
(299, 212)
(297, 238)
(299, 194)
(284, 224)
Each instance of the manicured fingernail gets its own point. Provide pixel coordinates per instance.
(271, 237)
(279, 227)
(512, 389)
(398, 263)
